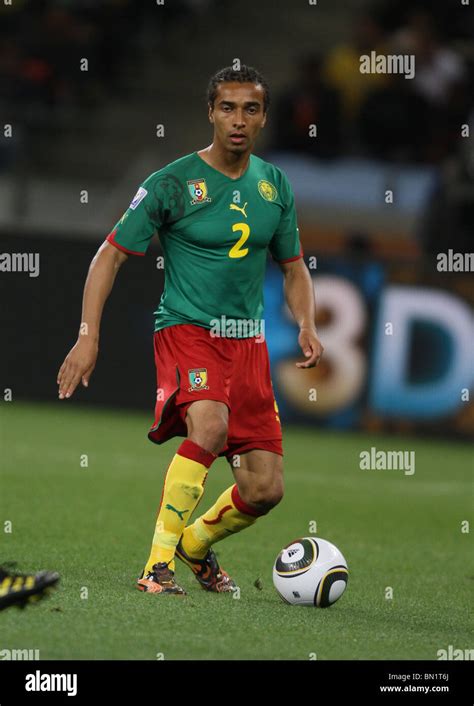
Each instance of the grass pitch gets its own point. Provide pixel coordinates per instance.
(81, 488)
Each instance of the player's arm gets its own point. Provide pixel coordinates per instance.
(81, 359)
(130, 236)
(299, 295)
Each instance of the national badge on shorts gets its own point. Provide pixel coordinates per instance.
(198, 190)
(198, 379)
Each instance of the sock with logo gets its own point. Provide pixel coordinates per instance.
(228, 515)
(182, 491)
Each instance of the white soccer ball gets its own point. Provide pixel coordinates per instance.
(310, 571)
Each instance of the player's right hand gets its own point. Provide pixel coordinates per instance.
(78, 365)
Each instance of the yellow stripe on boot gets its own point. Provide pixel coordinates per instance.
(229, 514)
(183, 488)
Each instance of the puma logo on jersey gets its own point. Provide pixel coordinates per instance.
(234, 207)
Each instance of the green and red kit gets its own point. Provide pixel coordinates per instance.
(215, 233)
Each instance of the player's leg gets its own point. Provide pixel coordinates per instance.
(204, 565)
(193, 375)
(259, 477)
(184, 486)
(184, 481)
(254, 450)
(259, 487)
(207, 422)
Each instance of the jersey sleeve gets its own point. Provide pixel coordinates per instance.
(285, 245)
(146, 214)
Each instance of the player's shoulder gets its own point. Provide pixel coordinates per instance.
(270, 171)
(175, 170)
(272, 180)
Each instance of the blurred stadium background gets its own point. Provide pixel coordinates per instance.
(95, 131)
(81, 144)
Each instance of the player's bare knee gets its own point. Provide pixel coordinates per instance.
(210, 433)
(272, 498)
(216, 432)
(207, 423)
(277, 493)
(266, 498)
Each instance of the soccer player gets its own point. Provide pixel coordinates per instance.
(21, 589)
(218, 211)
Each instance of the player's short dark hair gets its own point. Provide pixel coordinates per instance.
(246, 74)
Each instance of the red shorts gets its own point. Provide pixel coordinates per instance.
(193, 365)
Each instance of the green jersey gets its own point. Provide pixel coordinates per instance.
(214, 232)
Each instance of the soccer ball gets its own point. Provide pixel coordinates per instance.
(310, 571)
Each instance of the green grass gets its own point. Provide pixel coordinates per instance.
(94, 525)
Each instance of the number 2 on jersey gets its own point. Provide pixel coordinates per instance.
(235, 250)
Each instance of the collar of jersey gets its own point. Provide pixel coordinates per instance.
(217, 171)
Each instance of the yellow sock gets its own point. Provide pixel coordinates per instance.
(229, 514)
(182, 490)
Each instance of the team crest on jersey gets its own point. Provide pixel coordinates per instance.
(198, 379)
(267, 190)
(198, 190)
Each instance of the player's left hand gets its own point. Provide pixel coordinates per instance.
(311, 347)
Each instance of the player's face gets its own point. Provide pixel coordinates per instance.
(237, 115)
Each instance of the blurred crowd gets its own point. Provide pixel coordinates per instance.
(385, 115)
(378, 115)
(42, 42)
